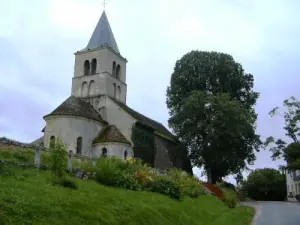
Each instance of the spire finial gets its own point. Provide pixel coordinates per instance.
(104, 4)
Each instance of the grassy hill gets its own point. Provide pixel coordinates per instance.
(27, 196)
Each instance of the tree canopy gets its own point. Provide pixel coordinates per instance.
(265, 185)
(280, 148)
(211, 103)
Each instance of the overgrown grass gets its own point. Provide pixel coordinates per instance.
(28, 197)
(19, 154)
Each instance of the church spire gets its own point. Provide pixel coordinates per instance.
(102, 36)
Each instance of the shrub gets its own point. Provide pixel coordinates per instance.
(227, 185)
(215, 190)
(108, 172)
(129, 182)
(231, 198)
(297, 197)
(189, 185)
(59, 159)
(164, 185)
(65, 183)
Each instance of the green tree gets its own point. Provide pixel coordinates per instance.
(211, 104)
(280, 148)
(266, 185)
(59, 159)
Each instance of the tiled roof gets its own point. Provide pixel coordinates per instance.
(102, 36)
(76, 107)
(156, 126)
(111, 134)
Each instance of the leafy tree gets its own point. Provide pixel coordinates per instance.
(211, 104)
(280, 148)
(265, 184)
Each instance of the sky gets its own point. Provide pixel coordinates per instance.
(38, 39)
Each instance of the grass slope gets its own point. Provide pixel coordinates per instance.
(28, 197)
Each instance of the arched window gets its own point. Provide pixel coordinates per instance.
(79, 146)
(115, 90)
(94, 66)
(119, 92)
(52, 142)
(114, 69)
(125, 154)
(118, 72)
(84, 89)
(104, 152)
(86, 67)
(92, 88)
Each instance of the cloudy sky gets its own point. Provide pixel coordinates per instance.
(38, 39)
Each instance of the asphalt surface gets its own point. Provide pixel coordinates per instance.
(276, 213)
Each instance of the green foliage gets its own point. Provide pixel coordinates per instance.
(189, 185)
(59, 159)
(231, 198)
(297, 197)
(280, 148)
(292, 156)
(211, 103)
(167, 186)
(227, 185)
(34, 201)
(143, 139)
(265, 184)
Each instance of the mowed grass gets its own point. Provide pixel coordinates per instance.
(27, 196)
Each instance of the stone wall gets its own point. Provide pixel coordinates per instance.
(6, 141)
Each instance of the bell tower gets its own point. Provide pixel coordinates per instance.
(100, 69)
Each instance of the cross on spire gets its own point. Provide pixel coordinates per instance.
(104, 3)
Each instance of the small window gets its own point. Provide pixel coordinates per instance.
(104, 152)
(118, 72)
(125, 154)
(119, 92)
(79, 146)
(86, 67)
(114, 69)
(94, 66)
(52, 142)
(115, 90)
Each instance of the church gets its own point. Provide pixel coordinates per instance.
(95, 120)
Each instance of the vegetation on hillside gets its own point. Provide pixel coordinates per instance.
(265, 184)
(211, 103)
(28, 197)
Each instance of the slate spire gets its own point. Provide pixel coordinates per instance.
(102, 36)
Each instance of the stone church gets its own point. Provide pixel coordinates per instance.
(95, 120)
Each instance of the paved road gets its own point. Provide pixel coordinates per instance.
(276, 213)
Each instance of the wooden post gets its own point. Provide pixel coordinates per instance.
(70, 161)
(37, 160)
